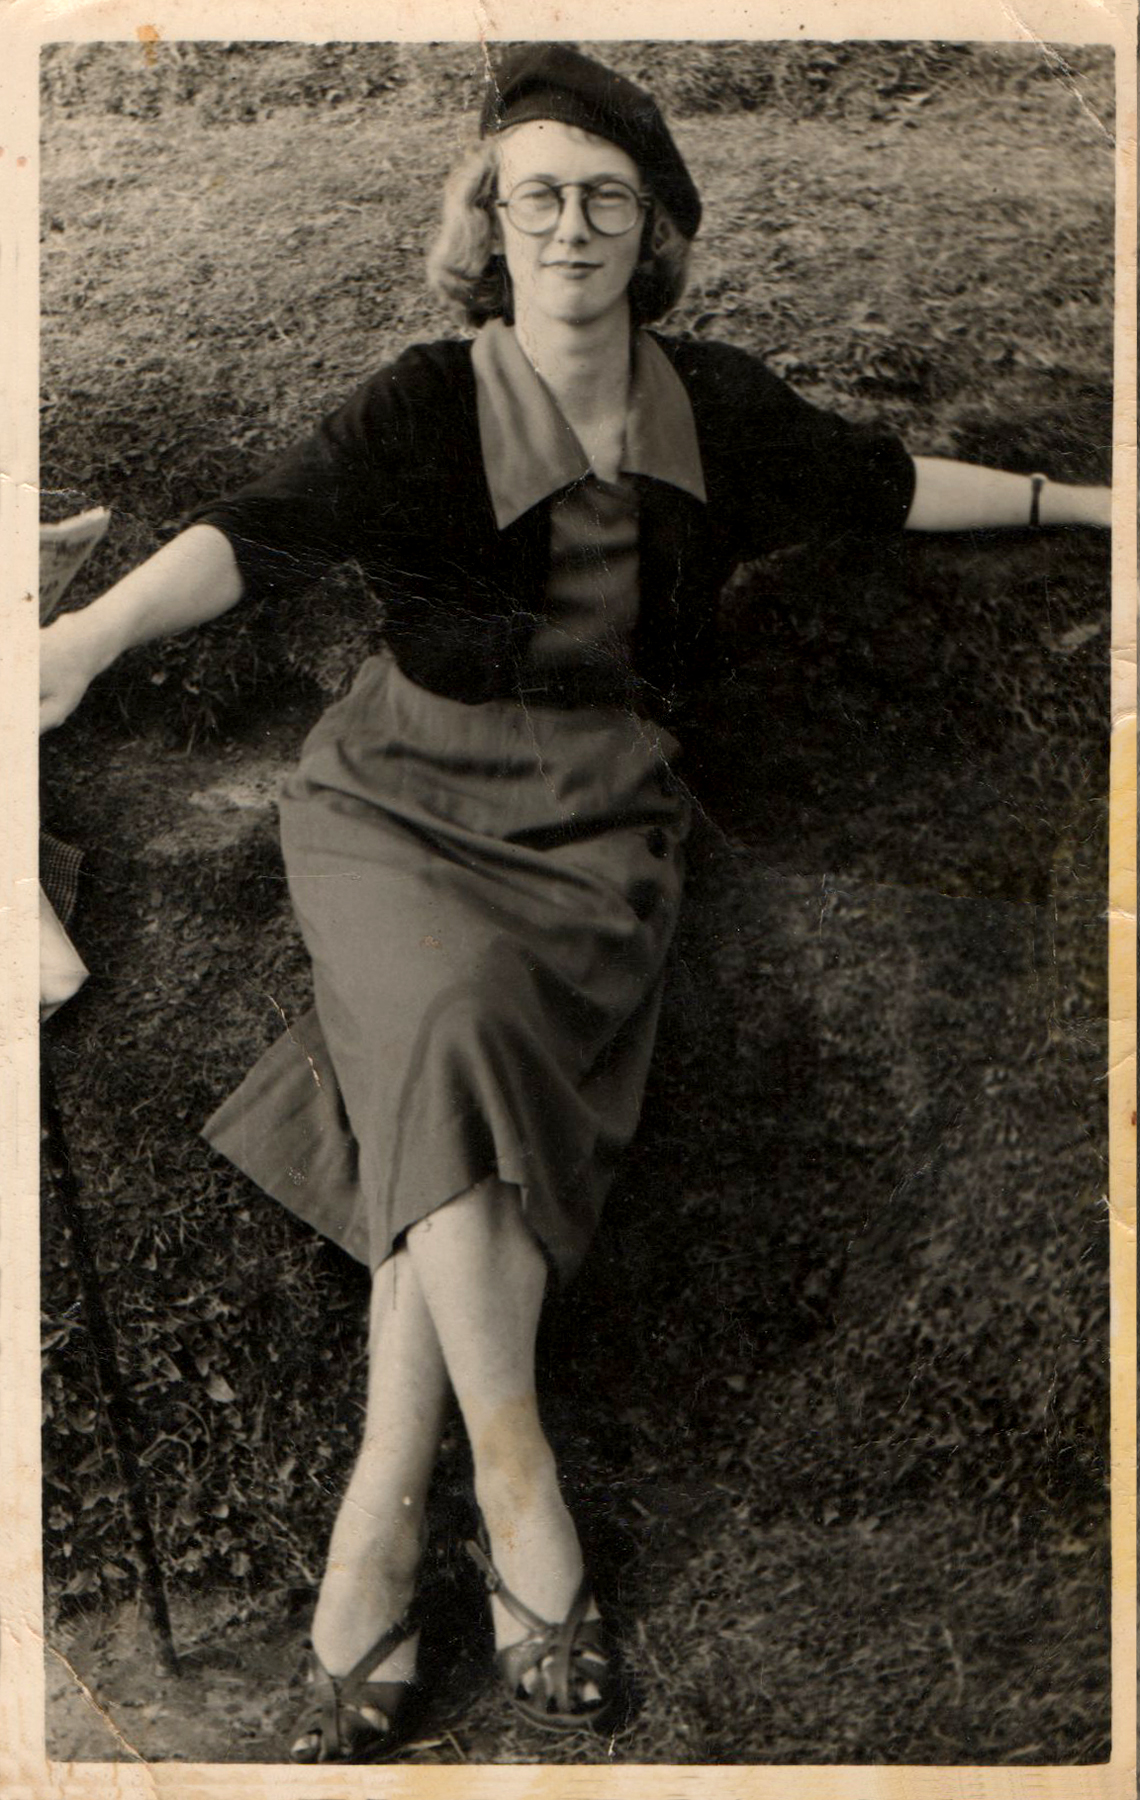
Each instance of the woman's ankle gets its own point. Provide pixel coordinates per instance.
(535, 1548)
(368, 1586)
(354, 1611)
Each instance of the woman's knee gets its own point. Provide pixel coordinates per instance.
(483, 1274)
(491, 1209)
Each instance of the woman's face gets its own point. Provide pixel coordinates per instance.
(570, 272)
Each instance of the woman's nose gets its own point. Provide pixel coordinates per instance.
(573, 226)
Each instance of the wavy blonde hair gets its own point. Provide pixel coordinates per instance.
(466, 268)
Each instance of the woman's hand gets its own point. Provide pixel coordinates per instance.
(69, 661)
(190, 580)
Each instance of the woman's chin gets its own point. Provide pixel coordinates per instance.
(573, 306)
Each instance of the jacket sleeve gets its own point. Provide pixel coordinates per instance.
(788, 471)
(330, 499)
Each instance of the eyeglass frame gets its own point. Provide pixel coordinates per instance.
(587, 189)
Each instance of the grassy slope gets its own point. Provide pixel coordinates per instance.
(860, 1238)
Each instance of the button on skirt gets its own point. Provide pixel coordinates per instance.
(488, 894)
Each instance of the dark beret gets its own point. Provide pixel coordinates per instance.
(551, 81)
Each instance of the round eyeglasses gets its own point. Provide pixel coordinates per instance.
(611, 208)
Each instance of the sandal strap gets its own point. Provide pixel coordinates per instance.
(356, 1679)
(549, 1649)
(558, 1671)
(497, 1586)
(334, 1693)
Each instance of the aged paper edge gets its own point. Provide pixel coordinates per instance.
(24, 1772)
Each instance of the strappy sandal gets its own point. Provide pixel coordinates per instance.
(350, 1719)
(543, 1675)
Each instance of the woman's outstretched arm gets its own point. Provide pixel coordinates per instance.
(193, 578)
(957, 496)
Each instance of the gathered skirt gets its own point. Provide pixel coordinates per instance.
(488, 894)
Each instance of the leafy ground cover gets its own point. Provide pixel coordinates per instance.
(831, 1393)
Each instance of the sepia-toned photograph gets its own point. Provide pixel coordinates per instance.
(574, 847)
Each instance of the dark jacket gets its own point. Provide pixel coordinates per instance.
(394, 481)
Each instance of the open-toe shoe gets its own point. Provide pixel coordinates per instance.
(547, 1674)
(350, 1719)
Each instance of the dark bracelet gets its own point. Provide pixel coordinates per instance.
(1036, 483)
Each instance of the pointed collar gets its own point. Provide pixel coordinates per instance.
(529, 449)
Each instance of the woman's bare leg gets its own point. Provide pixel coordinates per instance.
(377, 1538)
(483, 1278)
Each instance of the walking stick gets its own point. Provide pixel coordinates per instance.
(116, 1400)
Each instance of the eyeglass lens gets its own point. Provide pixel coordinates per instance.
(611, 208)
